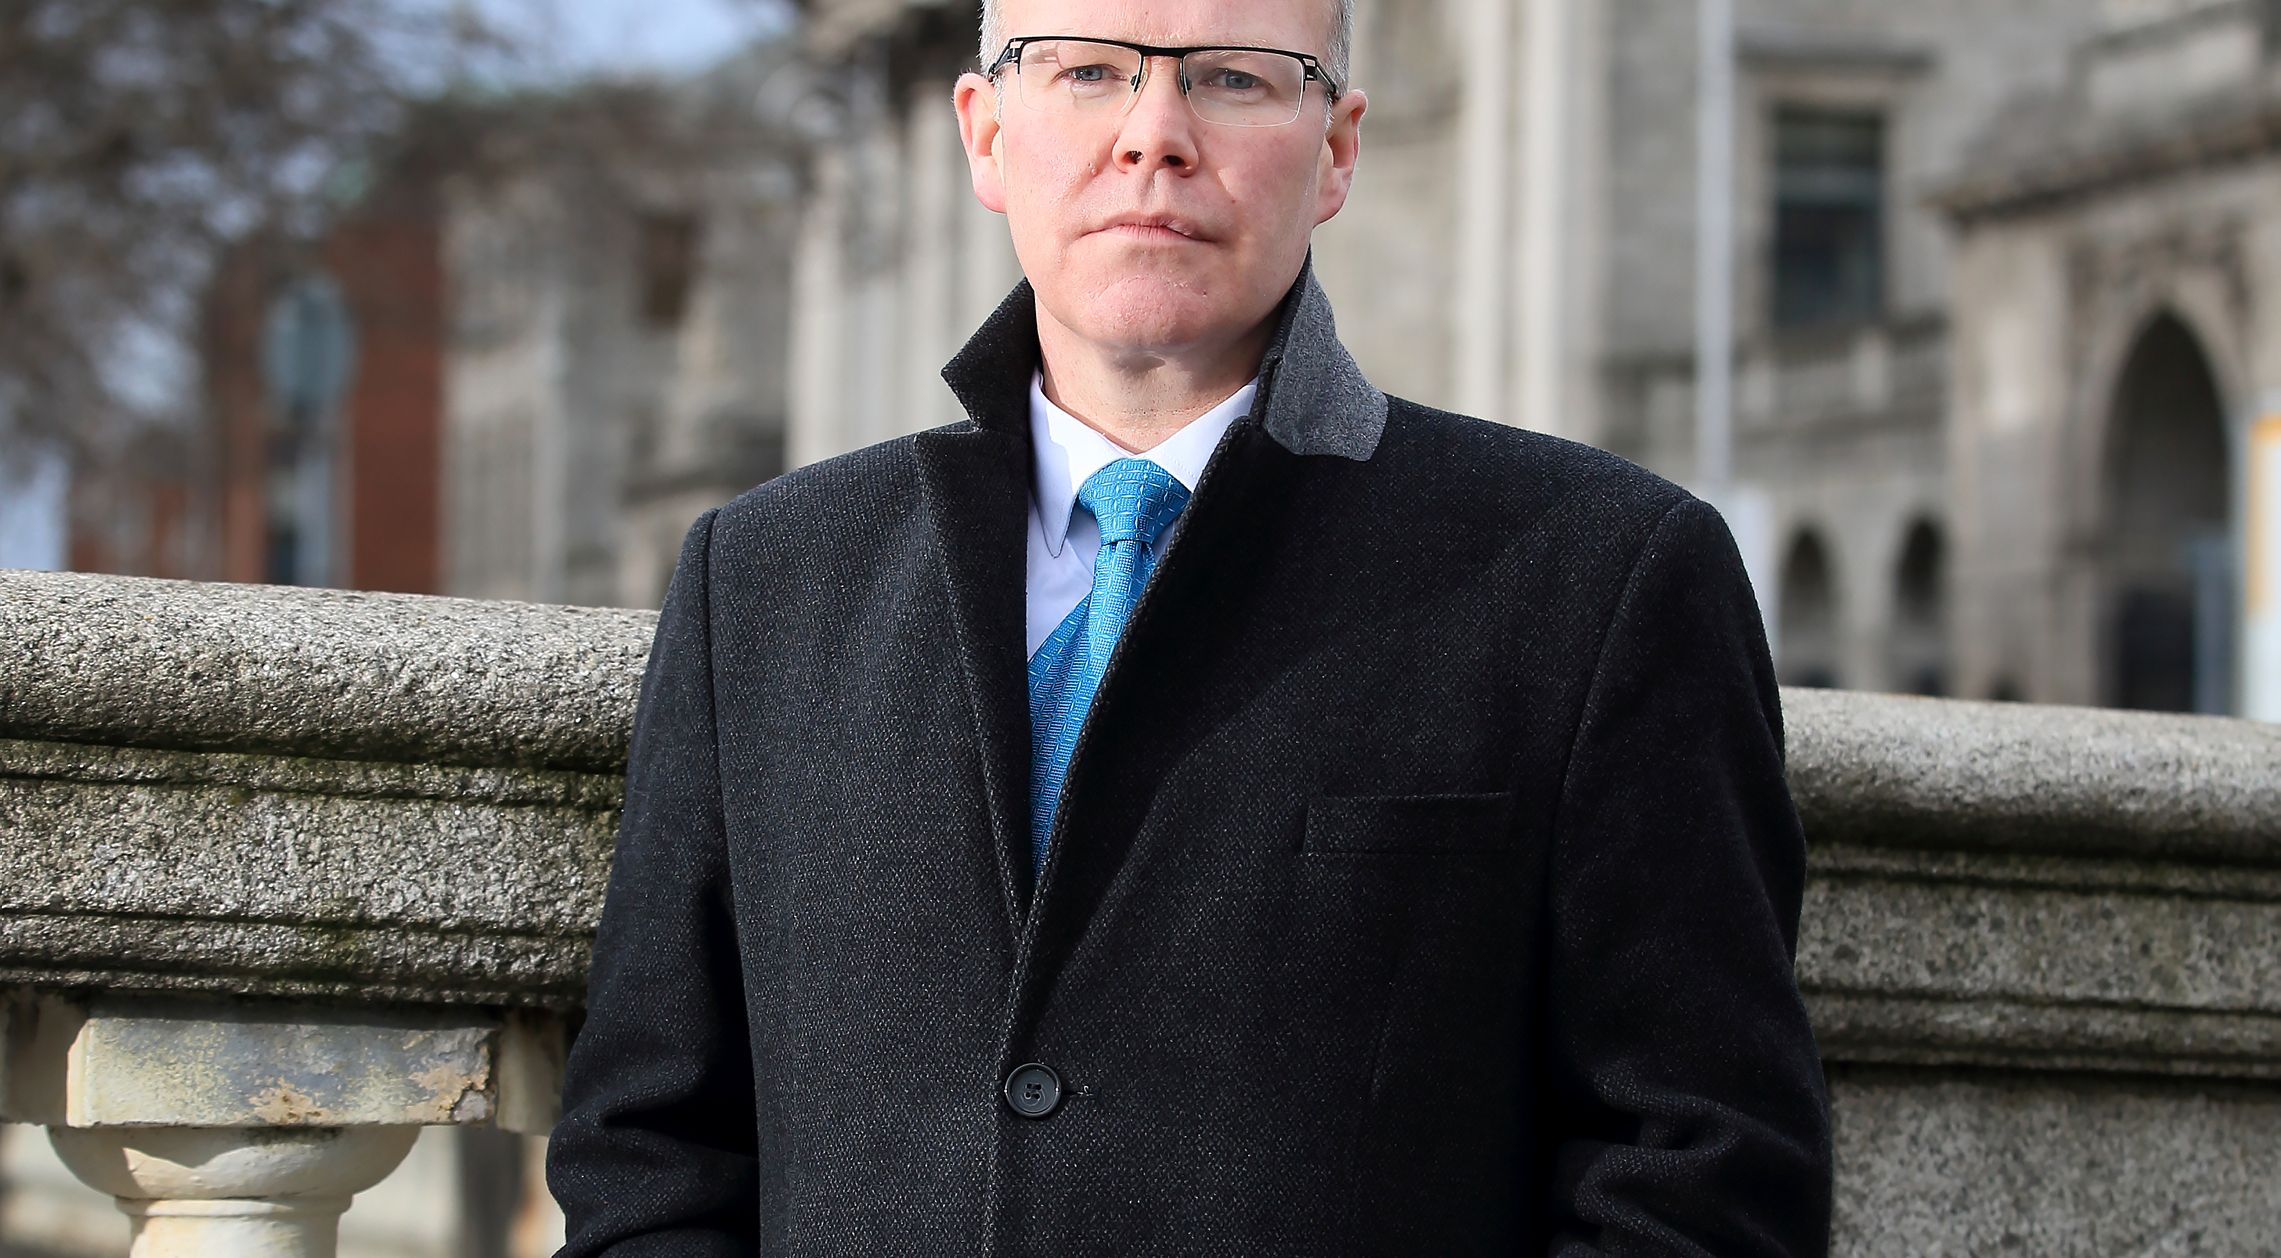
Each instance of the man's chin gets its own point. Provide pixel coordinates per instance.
(1154, 312)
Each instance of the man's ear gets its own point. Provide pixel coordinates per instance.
(1342, 148)
(978, 130)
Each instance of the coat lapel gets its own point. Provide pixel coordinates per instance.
(974, 477)
(976, 509)
(975, 488)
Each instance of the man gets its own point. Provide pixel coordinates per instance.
(1200, 805)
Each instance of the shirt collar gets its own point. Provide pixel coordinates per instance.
(1065, 451)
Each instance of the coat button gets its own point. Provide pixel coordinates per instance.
(1033, 1090)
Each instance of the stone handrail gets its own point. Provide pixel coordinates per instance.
(341, 855)
(261, 669)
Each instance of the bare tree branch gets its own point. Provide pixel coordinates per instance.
(140, 137)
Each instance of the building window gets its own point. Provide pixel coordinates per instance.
(668, 267)
(1829, 217)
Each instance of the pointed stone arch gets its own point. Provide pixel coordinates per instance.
(2164, 548)
(1809, 632)
(1916, 646)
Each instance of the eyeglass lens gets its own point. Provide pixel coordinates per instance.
(1238, 87)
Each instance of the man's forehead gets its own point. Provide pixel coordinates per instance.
(1300, 25)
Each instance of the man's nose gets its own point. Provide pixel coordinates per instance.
(1158, 131)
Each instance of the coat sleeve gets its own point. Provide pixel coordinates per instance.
(655, 1150)
(1687, 1106)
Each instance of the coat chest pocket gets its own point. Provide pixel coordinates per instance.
(1412, 824)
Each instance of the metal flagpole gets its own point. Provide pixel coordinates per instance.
(1714, 254)
(1749, 513)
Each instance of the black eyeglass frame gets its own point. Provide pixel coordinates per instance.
(1312, 64)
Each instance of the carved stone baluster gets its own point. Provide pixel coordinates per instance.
(245, 1127)
(250, 1192)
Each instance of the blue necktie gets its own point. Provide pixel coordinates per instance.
(1132, 500)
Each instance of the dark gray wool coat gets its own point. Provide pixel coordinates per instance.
(1425, 881)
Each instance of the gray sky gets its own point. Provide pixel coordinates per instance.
(31, 513)
(628, 37)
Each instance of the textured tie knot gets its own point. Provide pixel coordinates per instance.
(1132, 499)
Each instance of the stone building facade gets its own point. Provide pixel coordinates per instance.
(1521, 246)
(2118, 302)
(617, 346)
(1847, 116)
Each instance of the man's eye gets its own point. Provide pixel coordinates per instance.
(1087, 74)
(1235, 81)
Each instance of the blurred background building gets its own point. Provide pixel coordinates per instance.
(1996, 320)
(615, 356)
(2005, 349)
(2047, 208)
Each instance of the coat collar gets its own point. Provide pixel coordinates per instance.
(974, 481)
(1313, 397)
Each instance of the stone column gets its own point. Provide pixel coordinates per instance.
(816, 425)
(244, 1127)
(1546, 261)
(1482, 297)
(250, 1192)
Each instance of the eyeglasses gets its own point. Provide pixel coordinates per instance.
(1232, 86)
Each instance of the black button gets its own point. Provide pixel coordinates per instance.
(1033, 1090)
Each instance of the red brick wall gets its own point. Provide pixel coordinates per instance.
(389, 263)
(208, 516)
(238, 412)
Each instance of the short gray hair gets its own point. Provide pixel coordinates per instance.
(1335, 61)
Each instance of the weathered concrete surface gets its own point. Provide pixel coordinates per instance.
(2056, 888)
(138, 1060)
(2057, 1166)
(112, 1061)
(328, 673)
(129, 868)
(1895, 771)
(1967, 969)
(305, 793)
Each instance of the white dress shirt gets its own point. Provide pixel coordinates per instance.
(1064, 540)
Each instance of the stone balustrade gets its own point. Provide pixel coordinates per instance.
(286, 875)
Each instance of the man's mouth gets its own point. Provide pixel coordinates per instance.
(1163, 227)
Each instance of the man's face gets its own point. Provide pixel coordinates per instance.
(1224, 212)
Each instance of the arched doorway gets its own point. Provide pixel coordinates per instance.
(1808, 619)
(1916, 652)
(2168, 546)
